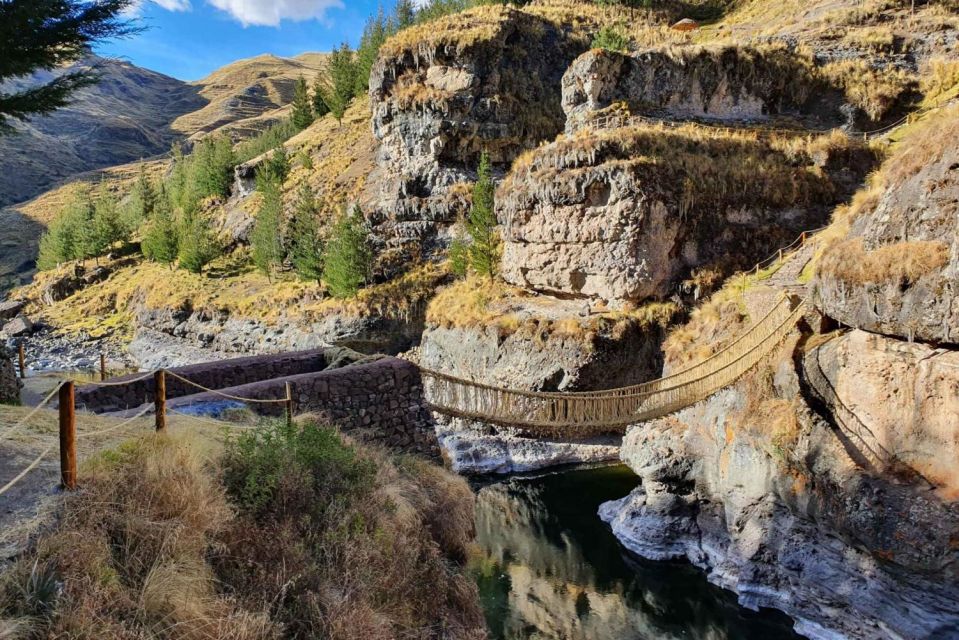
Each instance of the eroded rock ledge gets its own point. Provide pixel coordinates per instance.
(721, 83)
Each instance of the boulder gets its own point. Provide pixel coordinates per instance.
(628, 214)
(10, 308)
(18, 327)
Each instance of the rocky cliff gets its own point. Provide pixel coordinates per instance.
(824, 482)
(487, 80)
(769, 498)
(895, 266)
(627, 214)
(721, 83)
(9, 384)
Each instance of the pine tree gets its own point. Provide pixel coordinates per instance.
(404, 15)
(302, 115)
(160, 241)
(87, 243)
(47, 35)
(210, 167)
(320, 91)
(62, 242)
(342, 80)
(374, 35)
(348, 256)
(265, 240)
(109, 228)
(145, 195)
(481, 223)
(305, 245)
(274, 169)
(197, 244)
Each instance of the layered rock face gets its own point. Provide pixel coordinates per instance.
(626, 214)
(484, 80)
(711, 83)
(897, 269)
(759, 491)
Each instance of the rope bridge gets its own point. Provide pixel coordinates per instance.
(581, 414)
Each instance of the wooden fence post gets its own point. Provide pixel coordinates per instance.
(103, 367)
(289, 405)
(23, 359)
(68, 436)
(159, 399)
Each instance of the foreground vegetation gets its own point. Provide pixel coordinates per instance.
(288, 532)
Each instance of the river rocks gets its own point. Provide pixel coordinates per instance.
(175, 337)
(9, 383)
(627, 214)
(726, 83)
(441, 93)
(762, 493)
(896, 270)
(474, 448)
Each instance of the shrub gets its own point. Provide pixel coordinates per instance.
(611, 39)
(271, 138)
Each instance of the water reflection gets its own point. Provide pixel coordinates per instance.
(552, 570)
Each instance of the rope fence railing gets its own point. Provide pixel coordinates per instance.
(65, 391)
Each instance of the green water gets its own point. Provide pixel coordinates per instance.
(552, 570)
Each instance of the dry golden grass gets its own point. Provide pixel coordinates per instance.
(156, 546)
(727, 167)
(476, 302)
(711, 326)
(939, 80)
(902, 263)
(874, 90)
(108, 308)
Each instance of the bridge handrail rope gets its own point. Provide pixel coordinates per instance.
(557, 411)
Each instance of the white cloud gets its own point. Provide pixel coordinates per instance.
(271, 12)
(136, 8)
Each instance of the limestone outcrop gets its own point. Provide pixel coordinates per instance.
(896, 269)
(721, 83)
(758, 489)
(625, 215)
(487, 80)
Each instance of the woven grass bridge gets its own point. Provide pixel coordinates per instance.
(582, 414)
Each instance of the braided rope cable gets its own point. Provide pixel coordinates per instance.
(137, 416)
(222, 394)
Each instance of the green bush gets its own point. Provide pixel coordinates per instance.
(611, 39)
(197, 244)
(300, 469)
(160, 242)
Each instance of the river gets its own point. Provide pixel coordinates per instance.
(549, 568)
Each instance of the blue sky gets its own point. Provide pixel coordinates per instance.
(188, 39)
